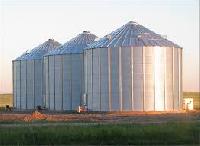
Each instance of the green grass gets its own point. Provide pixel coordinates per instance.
(121, 134)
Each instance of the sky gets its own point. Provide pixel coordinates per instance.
(24, 24)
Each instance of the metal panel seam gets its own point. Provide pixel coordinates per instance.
(54, 81)
(26, 87)
(173, 75)
(132, 89)
(62, 75)
(143, 69)
(109, 76)
(20, 106)
(120, 79)
(100, 77)
(164, 78)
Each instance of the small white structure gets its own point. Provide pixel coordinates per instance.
(188, 104)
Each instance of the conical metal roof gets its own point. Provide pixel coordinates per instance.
(132, 34)
(40, 51)
(75, 45)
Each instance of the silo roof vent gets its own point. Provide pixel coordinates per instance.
(132, 22)
(86, 31)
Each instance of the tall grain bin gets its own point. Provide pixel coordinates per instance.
(28, 76)
(133, 69)
(64, 73)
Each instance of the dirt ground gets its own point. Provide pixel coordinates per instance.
(110, 117)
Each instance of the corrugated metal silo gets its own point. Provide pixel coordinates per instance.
(133, 69)
(64, 73)
(28, 76)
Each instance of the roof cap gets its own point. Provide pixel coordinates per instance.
(86, 31)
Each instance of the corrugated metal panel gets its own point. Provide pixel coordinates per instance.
(67, 90)
(46, 76)
(14, 83)
(76, 62)
(30, 84)
(115, 106)
(169, 80)
(89, 79)
(126, 79)
(23, 85)
(180, 79)
(144, 85)
(149, 79)
(96, 81)
(138, 79)
(85, 70)
(38, 82)
(51, 83)
(159, 78)
(176, 80)
(58, 82)
(104, 86)
(18, 84)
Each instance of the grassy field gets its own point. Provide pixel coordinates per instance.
(6, 99)
(102, 134)
(100, 128)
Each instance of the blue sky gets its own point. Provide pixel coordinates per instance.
(26, 23)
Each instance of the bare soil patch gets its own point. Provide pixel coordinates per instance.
(110, 117)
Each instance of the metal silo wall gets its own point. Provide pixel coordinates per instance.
(23, 84)
(14, 84)
(77, 79)
(180, 79)
(114, 68)
(46, 82)
(58, 82)
(85, 76)
(30, 84)
(51, 83)
(64, 81)
(104, 80)
(169, 100)
(89, 77)
(176, 79)
(43, 83)
(159, 78)
(67, 91)
(126, 79)
(96, 80)
(149, 79)
(18, 84)
(38, 82)
(138, 81)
